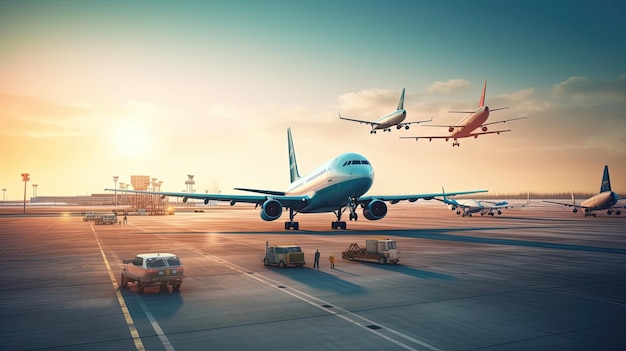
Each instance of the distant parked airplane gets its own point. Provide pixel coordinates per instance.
(605, 200)
(335, 186)
(468, 207)
(466, 127)
(386, 122)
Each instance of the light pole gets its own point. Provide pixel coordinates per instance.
(115, 178)
(122, 196)
(25, 178)
(4, 195)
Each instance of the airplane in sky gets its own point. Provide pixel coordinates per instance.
(470, 206)
(336, 186)
(469, 124)
(386, 122)
(605, 200)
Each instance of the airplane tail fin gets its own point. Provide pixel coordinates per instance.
(401, 102)
(481, 103)
(293, 165)
(606, 182)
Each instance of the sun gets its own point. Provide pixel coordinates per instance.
(131, 141)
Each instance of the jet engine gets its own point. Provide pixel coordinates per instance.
(484, 129)
(271, 210)
(451, 129)
(376, 209)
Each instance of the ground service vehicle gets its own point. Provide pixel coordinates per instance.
(382, 251)
(283, 255)
(153, 269)
(89, 216)
(105, 219)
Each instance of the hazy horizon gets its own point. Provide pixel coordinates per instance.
(95, 89)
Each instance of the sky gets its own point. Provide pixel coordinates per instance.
(95, 89)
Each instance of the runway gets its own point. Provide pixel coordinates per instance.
(538, 278)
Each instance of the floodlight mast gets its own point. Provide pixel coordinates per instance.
(25, 178)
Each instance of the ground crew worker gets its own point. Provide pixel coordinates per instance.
(331, 258)
(316, 261)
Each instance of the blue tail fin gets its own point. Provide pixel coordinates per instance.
(401, 102)
(293, 165)
(606, 182)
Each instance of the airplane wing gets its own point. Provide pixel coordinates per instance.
(394, 199)
(565, 204)
(504, 121)
(295, 202)
(428, 137)
(475, 135)
(416, 122)
(446, 137)
(358, 120)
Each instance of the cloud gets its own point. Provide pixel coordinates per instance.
(589, 90)
(450, 86)
(371, 103)
(26, 116)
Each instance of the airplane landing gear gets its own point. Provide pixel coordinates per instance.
(372, 131)
(291, 223)
(456, 143)
(352, 206)
(339, 224)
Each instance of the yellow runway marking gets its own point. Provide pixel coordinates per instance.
(129, 320)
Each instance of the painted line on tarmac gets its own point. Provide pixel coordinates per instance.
(157, 328)
(321, 304)
(120, 299)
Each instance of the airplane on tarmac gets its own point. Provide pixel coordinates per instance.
(469, 124)
(335, 186)
(605, 200)
(386, 122)
(468, 207)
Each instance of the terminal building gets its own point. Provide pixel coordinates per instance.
(150, 204)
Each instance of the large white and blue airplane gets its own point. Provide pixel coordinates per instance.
(335, 186)
(605, 200)
(385, 123)
(467, 127)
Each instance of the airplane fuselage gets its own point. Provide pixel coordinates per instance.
(470, 123)
(334, 183)
(602, 201)
(391, 119)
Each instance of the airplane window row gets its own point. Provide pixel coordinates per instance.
(356, 162)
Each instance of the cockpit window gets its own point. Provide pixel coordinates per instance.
(356, 162)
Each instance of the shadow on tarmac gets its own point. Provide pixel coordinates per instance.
(321, 280)
(399, 268)
(444, 234)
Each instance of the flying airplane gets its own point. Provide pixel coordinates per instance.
(386, 122)
(469, 124)
(468, 207)
(335, 186)
(605, 200)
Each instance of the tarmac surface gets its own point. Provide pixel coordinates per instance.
(537, 278)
